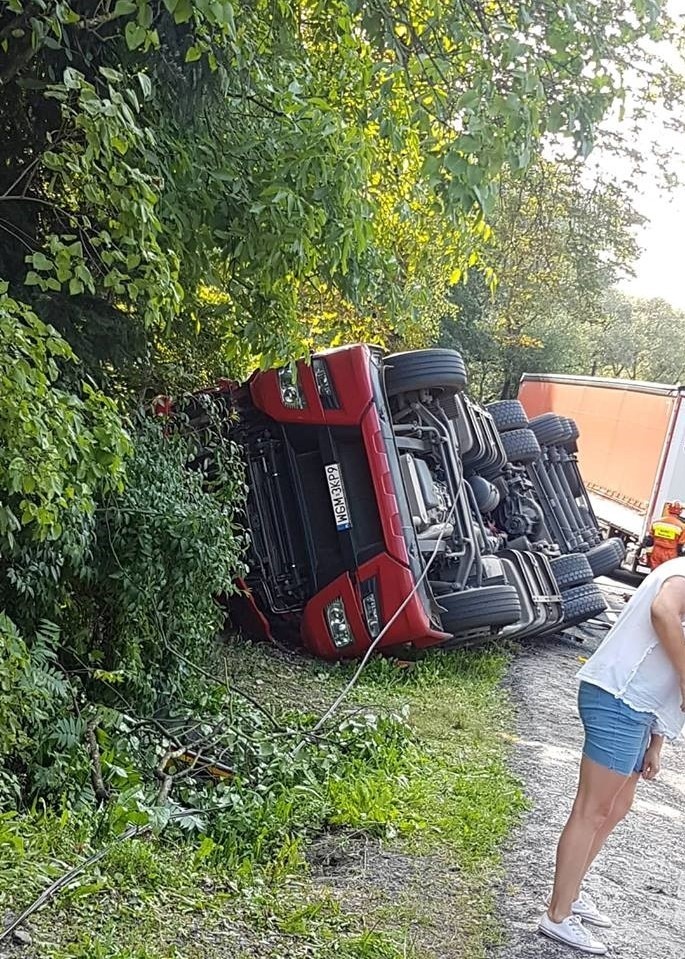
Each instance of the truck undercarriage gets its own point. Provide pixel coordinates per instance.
(387, 508)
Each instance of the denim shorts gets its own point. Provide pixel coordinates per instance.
(616, 736)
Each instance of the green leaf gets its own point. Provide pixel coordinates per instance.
(135, 35)
(230, 20)
(124, 7)
(120, 145)
(555, 121)
(193, 53)
(87, 889)
(145, 15)
(41, 262)
(183, 11)
(454, 163)
(145, 84)
(109, 74)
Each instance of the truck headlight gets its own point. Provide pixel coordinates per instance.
(338, 626)
(324, 385)
(371, 607)
(291, 394)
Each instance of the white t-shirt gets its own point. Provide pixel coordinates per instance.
(631, 662)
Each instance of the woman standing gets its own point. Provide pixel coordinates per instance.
(631, 697)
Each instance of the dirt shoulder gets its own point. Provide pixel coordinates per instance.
(640, 877)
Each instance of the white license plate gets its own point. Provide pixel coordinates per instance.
(341, 512)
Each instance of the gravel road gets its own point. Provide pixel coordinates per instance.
(639, 879)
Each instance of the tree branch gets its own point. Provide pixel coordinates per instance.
(102, 792)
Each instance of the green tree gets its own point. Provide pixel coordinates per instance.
(155, 150)
(59, 452)
(558, 245)
(640, 339)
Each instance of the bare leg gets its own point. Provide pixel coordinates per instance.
(598, 789)
(620, 809)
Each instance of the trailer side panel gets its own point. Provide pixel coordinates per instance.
(671, 482)
(622, 432)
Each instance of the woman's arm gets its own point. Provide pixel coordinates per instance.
(668, 612)
(652, 763)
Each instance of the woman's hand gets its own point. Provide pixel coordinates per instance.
(652, 763)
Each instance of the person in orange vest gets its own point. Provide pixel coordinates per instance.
(666, 539)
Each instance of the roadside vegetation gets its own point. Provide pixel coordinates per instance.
(190, 189)
(409, 777)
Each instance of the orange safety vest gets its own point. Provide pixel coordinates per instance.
(668, 534)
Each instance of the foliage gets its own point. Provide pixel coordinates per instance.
(58, 451)
(559, 243)
(33, 694)
(437, 783)
(136, 611)
(639, 339)
(167, 547)
(156, 150)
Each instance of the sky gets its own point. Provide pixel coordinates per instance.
(660, 271)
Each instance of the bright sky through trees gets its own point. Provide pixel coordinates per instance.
(659, 271)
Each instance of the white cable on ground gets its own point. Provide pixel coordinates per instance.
(367, 655)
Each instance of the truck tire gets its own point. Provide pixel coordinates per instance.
(508, 415)
(425, 370)
(571, 570)
(550, 429)
(571, 444)
(582, 603)
(605, 557)
(521, 446)
(573, 427)
(495, 606)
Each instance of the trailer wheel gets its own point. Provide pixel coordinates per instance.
(495, 606)
(508, 415)
(550, 429)
(582, 603)
(571, 570)
(424, 370)
(571, 444)
(573, 427)
(605, 557)
(521, 446)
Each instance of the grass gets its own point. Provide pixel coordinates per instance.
(424, 817)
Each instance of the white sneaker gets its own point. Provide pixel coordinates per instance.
(573, 933)
(588, 912)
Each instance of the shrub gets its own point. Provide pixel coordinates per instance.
(166, 549)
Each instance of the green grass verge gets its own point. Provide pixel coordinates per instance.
(440, 801)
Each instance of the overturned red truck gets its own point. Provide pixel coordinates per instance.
(386, 508)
